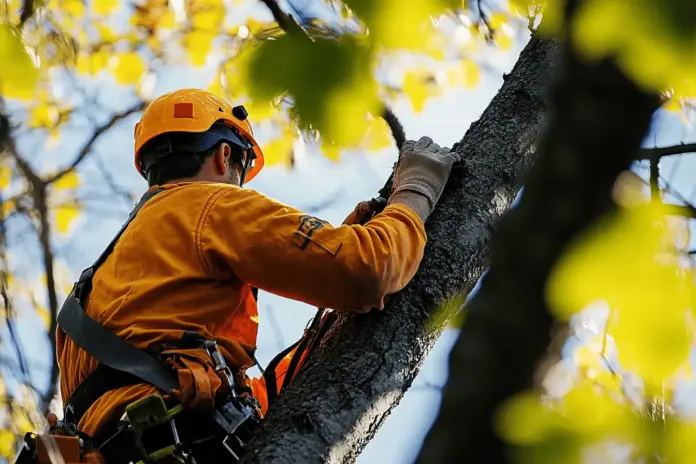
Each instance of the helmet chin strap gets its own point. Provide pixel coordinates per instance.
(245, 170)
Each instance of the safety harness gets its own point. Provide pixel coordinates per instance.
(157, 428)
(149, 419)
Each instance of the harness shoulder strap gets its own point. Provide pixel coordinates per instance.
(105, 346)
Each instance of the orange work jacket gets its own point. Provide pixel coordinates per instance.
(188, 262)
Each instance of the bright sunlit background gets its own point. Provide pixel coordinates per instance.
(437, 83)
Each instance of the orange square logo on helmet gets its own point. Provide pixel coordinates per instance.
(192, 110)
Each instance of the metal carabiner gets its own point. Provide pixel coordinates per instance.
(220, 365)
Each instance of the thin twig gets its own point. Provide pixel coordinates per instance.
(286, 22)
(27, 12)
(685, 211)
(484, 18)
(654, 180)
(99, 131)
(659, 152)
(394, 124)
(13, 333)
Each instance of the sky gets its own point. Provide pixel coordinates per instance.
(329, 190)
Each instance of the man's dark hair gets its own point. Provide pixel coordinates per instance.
(176, 165)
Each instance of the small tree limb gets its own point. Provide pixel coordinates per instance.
(657, 153)
(655, 180)
(98, 132)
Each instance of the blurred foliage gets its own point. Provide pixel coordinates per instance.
(613, 402)
(655, 44)
(327, 80)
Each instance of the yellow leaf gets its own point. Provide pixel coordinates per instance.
(378, 135)
(648, 35)
(524, 420)
(255, 26)
(496, 20)
(259, 110)
(279, 150)
(216, 88)
(70, 180)
(92, 63)
(129, 68)
(503, 40)
(393, 26)
(43, 115)
(106, 34)
(673, 104)
(5, 175)
(74, 8)
(679, 442)
(18, 74)
(586, 356)
(167, 20)
(347, 109)
(608, 380)
(331, 151)
(65, 215)
(7, 207)
(472, 73)
(209, 20)
(415, 88)
(104, 7)
(44, 314)
(7, 444)
(620, 261)
(198, 45)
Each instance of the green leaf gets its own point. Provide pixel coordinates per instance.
(330, 81)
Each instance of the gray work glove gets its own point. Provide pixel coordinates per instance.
(421, 174)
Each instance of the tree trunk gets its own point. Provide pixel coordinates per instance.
(597, 120)
(366, 363)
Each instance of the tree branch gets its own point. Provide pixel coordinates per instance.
(394, 124)
(685, 211)
(657, 153)
(27, 12)
(283, 19)
(40, 196)
(365, 363)
(598, 119)
(655, 180)
(98, 132)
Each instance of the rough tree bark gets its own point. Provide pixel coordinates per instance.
(366, 363)
(598, 119)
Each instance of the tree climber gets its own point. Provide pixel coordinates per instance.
(179, 283)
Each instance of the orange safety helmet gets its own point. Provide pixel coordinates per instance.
(192, 110)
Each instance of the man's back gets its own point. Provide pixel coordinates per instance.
(154, 287)
(187, 261)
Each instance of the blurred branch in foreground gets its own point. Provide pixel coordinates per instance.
(597, 121)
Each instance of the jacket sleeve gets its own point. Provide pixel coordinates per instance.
(286, 252)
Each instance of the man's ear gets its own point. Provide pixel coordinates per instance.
(222, 159)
